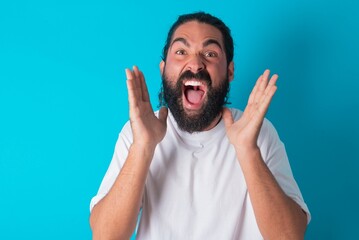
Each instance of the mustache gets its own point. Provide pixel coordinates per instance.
(202, 75)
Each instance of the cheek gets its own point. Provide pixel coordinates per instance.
(170, 76)
(173, 69)
(223, 69)
(218, 73)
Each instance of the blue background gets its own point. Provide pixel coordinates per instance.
(63, 100)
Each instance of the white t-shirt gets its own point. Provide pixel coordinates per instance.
(195, 188)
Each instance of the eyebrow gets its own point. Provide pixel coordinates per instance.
(182, 40)
(205, 44)
(212, 41)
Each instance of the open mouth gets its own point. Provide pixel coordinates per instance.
(194, 93)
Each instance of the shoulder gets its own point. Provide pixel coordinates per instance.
(125, 136)
(236, 113)
(267, 129)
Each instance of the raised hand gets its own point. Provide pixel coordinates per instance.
(243, 134)
(148, 130)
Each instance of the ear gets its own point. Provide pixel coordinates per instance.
(231, 71)
(162, 66)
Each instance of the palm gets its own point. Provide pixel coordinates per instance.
(245, 131)
(146, 127)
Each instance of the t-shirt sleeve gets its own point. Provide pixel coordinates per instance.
(274, 154)
(122, 146)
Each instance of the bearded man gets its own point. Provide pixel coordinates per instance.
(197, 169)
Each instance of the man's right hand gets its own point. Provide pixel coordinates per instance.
(115, 216)
(148, 130)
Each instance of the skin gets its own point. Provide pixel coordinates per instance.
(195, 47)
(277, 215)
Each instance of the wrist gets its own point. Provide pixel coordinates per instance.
(247, 152)
(143, 149)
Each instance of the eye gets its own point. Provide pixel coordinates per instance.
(180, 52)
(210, 54)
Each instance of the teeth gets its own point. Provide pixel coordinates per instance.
(192, 83)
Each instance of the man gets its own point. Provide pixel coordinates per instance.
(198, 170)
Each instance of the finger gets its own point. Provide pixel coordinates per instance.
(145, 94)
(260, 111)
(254, 90)
(273, 80)
(227, 117)
(162, 116)
(263, 107)
(132, 99)
(137, 81)
(128, 73)
(264, 81)
(266, 75)
(130, 76)
(262, 86)
(136, 76)
(271, 83)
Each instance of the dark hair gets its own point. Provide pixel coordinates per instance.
(202, 17)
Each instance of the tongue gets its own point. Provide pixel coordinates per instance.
(194, 96)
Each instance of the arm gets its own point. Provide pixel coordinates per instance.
(277, 215)
(115, 216)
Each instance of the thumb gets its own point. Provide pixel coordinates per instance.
(227, 117)
(162, 116)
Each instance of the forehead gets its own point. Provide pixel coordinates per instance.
(194, 31)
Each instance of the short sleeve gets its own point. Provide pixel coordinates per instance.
(122, 146)
(274, 154)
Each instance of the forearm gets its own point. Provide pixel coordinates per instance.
(277, 215)
(115, 216)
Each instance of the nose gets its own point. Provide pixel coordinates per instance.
(195, 64)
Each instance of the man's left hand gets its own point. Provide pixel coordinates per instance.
(243, 134)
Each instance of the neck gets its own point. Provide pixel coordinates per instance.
(214, 122)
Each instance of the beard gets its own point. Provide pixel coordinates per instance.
(194, 121)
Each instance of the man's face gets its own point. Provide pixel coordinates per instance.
(196, 76)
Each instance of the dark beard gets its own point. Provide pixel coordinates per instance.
(171, 96)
